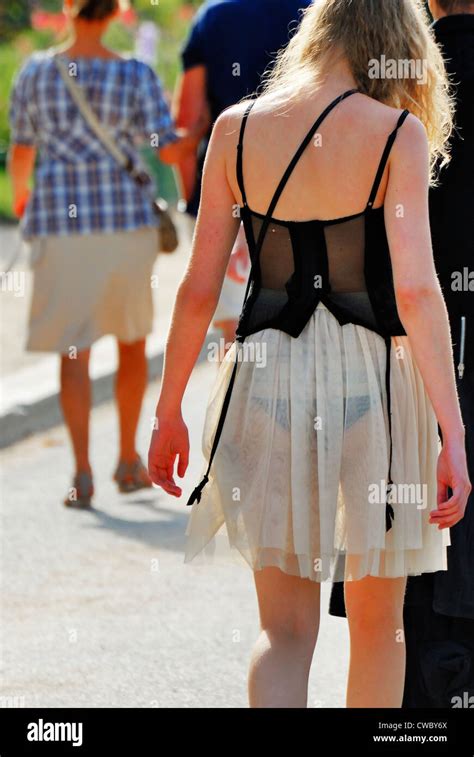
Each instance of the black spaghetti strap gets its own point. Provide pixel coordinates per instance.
(240, 147)
(389, 511)
(294, 161)
(197, 492)
(384, 159)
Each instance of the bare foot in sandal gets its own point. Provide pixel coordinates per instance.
(130, 477)
(81, 492)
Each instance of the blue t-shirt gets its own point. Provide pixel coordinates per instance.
(236, 40)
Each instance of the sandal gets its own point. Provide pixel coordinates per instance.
(81, 491)
(131, 477)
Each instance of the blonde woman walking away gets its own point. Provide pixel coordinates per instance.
(331, 443)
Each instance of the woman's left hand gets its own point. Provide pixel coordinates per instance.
(169, 440)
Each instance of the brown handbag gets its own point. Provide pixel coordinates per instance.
(167, 231)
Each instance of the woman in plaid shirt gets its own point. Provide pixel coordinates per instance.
(92, 230)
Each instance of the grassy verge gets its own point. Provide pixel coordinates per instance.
(6, 213)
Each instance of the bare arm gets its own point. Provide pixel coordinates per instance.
(186, 145)
(419, 299)
(21, 163)
(196, 301)
(191, 113)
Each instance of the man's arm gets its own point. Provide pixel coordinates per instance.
(192, 115)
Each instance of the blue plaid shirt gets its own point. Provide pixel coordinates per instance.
(78, 187)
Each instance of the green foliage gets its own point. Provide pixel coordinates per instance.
(14, 17)
(6, 212)
(10, 60)
(164, 12)
(12, 55)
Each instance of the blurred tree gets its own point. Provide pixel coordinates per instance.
(14, 17)
(52, 6)
(15, 14)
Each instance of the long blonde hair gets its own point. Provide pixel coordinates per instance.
(364, 31)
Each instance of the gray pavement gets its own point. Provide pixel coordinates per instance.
(98, 608)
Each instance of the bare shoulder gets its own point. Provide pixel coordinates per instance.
(411, 145)
(230, 120)
(384, 118)
(412, 136)
(226, 130)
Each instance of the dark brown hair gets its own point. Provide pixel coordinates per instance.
(95, 10)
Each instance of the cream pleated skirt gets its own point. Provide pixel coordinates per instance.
(299, 478)
(88, 285)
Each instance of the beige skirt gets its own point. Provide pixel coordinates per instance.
(298, 480)
(88, 285)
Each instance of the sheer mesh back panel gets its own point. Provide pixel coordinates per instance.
(335, 250)
(276, 268)
(345, 244)
(276, 256)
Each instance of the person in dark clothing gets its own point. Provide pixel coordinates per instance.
(230, 45)
(439, 607)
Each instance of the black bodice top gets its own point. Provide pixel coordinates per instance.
(297, 264)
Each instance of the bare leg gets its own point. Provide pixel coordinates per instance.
(377, 666)
(289, 623)
(130, 387)
(76, 405)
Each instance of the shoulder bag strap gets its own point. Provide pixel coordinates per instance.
(77, 94)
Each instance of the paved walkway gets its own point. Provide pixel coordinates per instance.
(98, 608)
